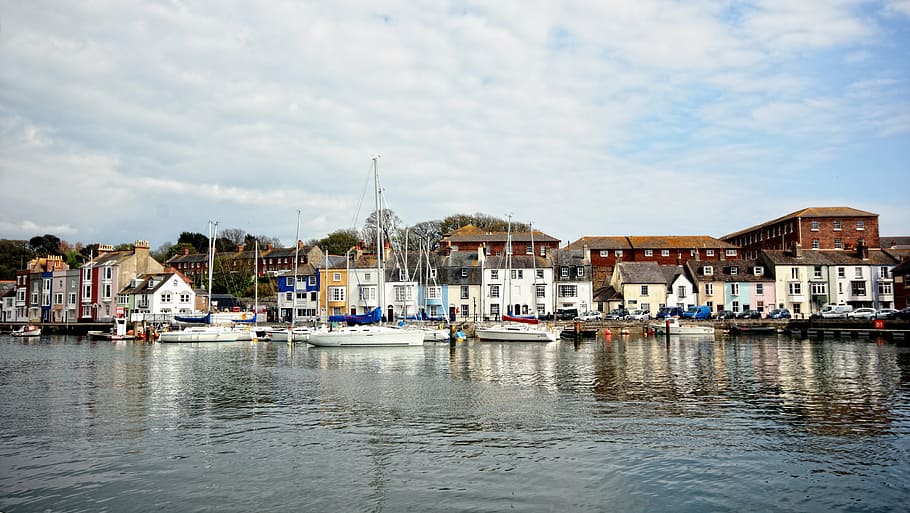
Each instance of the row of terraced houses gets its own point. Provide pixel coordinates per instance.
(800, 261)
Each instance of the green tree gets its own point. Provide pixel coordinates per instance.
(14, 255)
(232, 275)
(199, 241)
(339, 241)
(44, 245)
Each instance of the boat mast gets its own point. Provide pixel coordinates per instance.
(378, 234)
(256, 282)
(534, 270)
(213, 232)
(296, 260)
(509, 265)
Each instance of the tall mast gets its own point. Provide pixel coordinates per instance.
(213, 233)
(534, 270)
(256, 282)
(296, 259)
(509, 265)
(378, 233)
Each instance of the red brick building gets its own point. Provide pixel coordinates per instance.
(819, 228)
(470, 237)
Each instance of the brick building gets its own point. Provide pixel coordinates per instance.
(470, 238)
(819, 228)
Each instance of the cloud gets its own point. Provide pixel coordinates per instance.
(589, 117)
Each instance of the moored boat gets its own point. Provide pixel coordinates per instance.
(295, 334)
(517, 333)
(369, 335)
(27, 331)
(199, 334)
(676, 328)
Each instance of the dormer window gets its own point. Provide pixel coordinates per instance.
(708, 270)
(731, 252)
(734, 270)
(464, 272)
(759, 271)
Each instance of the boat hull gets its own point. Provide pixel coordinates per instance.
(366, 336)
(191, 335)
(295, 335)
(28, 331)
(516, 334)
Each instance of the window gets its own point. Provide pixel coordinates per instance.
(563, 272)
(402, 293)
(709, 270)
(367, 277)
(166, 297)
(734, 270)
(759, 271)
(759, 288)
(730, 252)
(885, 288)
(815, 244)
(604, 252)
(841, 272)
(402, 275)
(123, 299)
(464, 272)
(108, 272)
(797, 308)
(58, 298)
(86, 292)
(817, 273)
(734, 289)
(184, 298)
(649, 252)
(794, 273)
(433, 273)
(814, 225)
(709, 252)
(838, 244)
(494, 290)
(291, 281)
(87, 273)
(644, 290)
(579, 271)
(665, 252)
(819, 289)
(436, 292)
(289, 296)
(529, 250)
(860, 225)
(494, 274)
(336, 294)
(464, 292)
(106, 291)
(735, 306)
(464, 310)
(540, 273)
(794, 288)
(543, 251)
(709, 289)
(517, 274)
(336, 276)
(568, 291)
(494, 310)
(858, 288)
(681, 291)
(618, 252)
(884, 273)
(541, 290)
(837, 224)
(311, 281)
(857, 272)
(71, 300)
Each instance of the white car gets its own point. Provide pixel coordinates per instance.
(861, 313)
(885, 313)
(640, 315)
(590, 316)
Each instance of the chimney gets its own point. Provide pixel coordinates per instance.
(299, 244)
(862, 250)
(105, 248)
(240, 248)
(697, 255)
(186, 251)
(797, 249)
(268, 247)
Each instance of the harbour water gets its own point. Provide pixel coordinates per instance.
(621, 424)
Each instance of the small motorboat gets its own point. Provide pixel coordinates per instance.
(27, 331)
(676, 328)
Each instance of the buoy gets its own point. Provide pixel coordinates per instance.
(624, 331)
(607, 332)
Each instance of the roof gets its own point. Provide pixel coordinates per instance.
(898, 242)
(640, 272)
(471, 233)
(650, 242)
(828, 257)
(808, 212)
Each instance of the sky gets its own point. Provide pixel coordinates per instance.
(127, 120)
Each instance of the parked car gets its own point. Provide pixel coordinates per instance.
(779, 313)
(749, 314)
(566, 314)
(669, 311)
(590, 316)
(640, 315)
(886, 313)
(724, 314)
(903, 314)
(697, 312)
(618, 314)
(835, 311)
(861, 313)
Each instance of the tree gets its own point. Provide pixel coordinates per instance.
(232, 275)
(14, 254)
(425, 233)
(163, 252)
(45, 245)
(390, 223)
(235, 235)
(339, 241)
(199, 241)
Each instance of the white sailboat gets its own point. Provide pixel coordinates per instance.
(209, 333)
(515, 328)
(675, 328)
(370, 335)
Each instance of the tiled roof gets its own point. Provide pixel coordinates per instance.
(678, 242)
(829, 257)
(808, 212)
(598, 243)
(640, 272)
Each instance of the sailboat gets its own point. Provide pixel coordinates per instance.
(370, 335)
(517, 328)
(209, 332)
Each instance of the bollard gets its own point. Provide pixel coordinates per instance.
(667, 326)
(452, 337)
